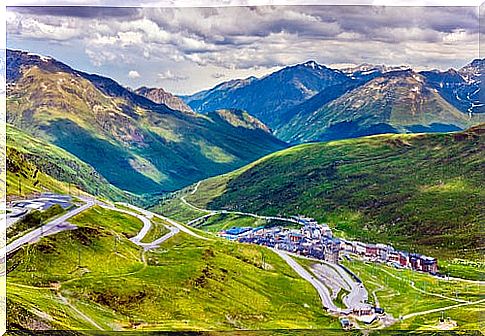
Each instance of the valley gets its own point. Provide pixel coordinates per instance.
(76, 272)
(172, 200)
(170, 286)
(136, 144)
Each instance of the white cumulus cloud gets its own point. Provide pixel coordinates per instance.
(133, 74)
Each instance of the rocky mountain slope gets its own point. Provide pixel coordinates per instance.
(310, 102)
(394, 102)
(160, 96)
(135, 143)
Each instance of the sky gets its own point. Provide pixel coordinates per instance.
(185, 50)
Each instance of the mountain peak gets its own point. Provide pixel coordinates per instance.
(312, 64)
(160, 96)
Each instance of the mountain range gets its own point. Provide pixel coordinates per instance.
(311, 102)
(136, 143)
(269, 97)
(160, 96)
(149, 141)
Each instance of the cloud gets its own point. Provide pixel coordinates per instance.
(79, 11)
(170, 76)
(218, 75)
(133, 74)
(255, 37)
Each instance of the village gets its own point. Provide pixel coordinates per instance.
(316, 240)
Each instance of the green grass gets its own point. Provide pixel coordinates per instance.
(220, 222)
(419, 192)
(174, 208)
(34, 165)
(113, 220)
(397, 296)
(457, 267)
(340, 296)
(157, 230)
(186, 284)
(35, 307)
(123, 207)
(468, 318)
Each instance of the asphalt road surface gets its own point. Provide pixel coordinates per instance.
(56, 225)
(172, 222)
(323, 292)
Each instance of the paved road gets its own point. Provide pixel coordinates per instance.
(147, 224)
(56, 225)
(358, 294)
(330, 278)
(323, 292)
(215, 212)
(60, 224)
(156, 243)
(14, 216)
(193, 221)
(172, 222)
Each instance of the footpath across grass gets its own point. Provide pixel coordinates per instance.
(186, 284)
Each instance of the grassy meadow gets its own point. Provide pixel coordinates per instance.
(186, 284)
(420, 192)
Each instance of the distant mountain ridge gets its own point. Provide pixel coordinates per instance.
(296, 101)
(269, 97)
(135, 143)
(394, 102)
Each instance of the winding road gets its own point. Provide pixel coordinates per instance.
(323, 291)
(358, 294)
(215, 212)
(59, 224)
(168, 220)
(54, 226)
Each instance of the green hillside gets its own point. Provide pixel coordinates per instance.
(34, 165)
(186, 284)
(419, 191)
(135, 143)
